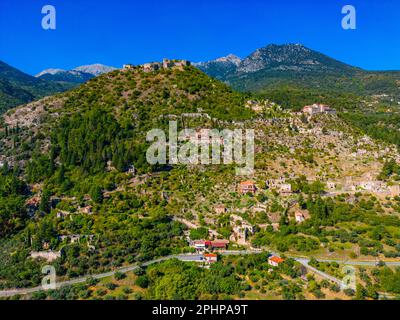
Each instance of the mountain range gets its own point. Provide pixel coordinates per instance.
(17, 87)
(68, 196)
(268, 68)
(291, 57)
(220, 68)
(297, 65)
(77, 75)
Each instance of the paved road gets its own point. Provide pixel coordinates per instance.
(189, 257)
(183, 257)
(305, 262)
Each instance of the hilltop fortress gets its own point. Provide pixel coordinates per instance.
(154, 66)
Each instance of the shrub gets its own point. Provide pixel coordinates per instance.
(119, 275)
(142, 281)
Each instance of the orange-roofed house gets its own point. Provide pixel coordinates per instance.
(275, 261)
(210, 257)
(247, 186)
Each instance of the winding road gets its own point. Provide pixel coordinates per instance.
(194, 258)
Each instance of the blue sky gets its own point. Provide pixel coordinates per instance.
(130, 31)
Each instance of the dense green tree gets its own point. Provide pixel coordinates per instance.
(96, 193)
(44, 205)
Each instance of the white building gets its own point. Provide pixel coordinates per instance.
(299, 217)
(331, 185)
(286, 188)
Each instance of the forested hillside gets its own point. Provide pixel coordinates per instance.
(17, 87)
(79, 194)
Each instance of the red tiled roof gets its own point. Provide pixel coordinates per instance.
(276, 259)
(220, 241)
(218, 244)
(247, 183)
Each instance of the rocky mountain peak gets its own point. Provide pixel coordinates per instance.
(230, 58)
(51, 71)
(95, 69)
(279, 56)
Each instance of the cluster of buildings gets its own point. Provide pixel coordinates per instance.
(372, 186)
(318, 108)
(51, 255)
(210, 258)
(285, 188)
(165, 64)
(279, 184)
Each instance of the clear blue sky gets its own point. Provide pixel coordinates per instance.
(130, 31)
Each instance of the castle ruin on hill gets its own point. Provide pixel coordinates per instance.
(154, 66)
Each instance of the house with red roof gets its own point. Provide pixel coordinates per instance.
(219, 244)
(210, 257)
(247, 186)
(275, 261)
